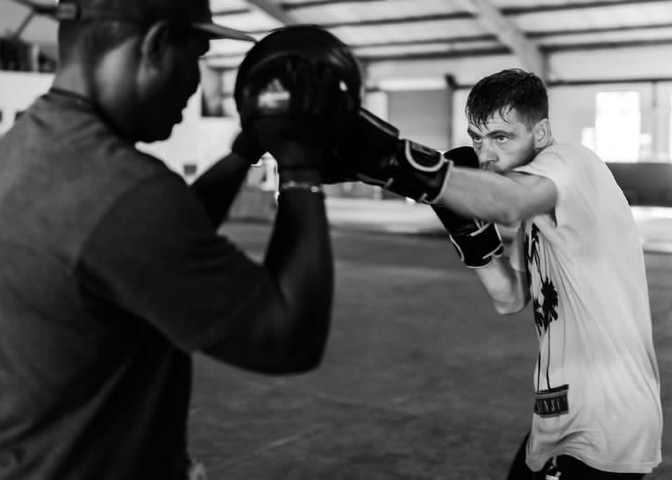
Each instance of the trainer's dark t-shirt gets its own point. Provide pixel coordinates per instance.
(110, 274)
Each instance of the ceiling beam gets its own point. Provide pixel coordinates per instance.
(425, 41)
(275, 11)
(408, 20)
(399, 20)
(467, 52)
(505, 10)
(493, 20)
(24, 24)
(541, 34)
(470, 53)
(585, 47)
(576, 6)
(475, 53)
(530, 34)
(320, 3)
(537, 35)
(232, 11)
(49, 10)
(610, 81)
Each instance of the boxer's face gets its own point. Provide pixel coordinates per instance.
(504, 142)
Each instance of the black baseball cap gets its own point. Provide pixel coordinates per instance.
(194, 14)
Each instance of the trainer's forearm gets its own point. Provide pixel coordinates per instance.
(299, 258)
(218, 187)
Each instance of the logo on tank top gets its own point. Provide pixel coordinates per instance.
(549, 400)
(544, 300)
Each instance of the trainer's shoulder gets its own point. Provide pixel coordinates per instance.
(124, 162)
(128, 169)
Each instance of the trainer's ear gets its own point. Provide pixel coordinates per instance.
(542, 133)
(155, 44)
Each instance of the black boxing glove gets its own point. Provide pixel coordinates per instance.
(477, 242)
(372, 149)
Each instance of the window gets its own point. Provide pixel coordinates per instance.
(212, 92)
(618, 126)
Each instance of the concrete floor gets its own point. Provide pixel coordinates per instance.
(422, 380)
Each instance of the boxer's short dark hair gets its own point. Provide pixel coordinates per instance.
(508, 89)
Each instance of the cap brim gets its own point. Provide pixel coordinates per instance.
(219, 31)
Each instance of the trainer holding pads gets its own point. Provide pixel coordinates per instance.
(577, 256)
(111, 270)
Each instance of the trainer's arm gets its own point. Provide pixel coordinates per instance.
(505, 278)
(289, 333)
(218, 187)
(156, 256)
(500, 198)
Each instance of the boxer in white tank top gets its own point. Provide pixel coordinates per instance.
(577, 258)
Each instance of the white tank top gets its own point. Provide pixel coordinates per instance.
(596, 379)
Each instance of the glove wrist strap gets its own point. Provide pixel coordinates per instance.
(444, 185)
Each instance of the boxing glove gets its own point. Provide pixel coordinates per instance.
(477, 242)
(372, 150)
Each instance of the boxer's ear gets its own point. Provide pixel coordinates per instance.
(542, 133)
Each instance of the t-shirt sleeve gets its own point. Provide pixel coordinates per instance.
(574, 213)
(156, 255)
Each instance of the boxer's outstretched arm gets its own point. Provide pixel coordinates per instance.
(500, 198)
(372, 149)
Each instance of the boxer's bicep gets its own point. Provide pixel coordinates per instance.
(538, 195)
